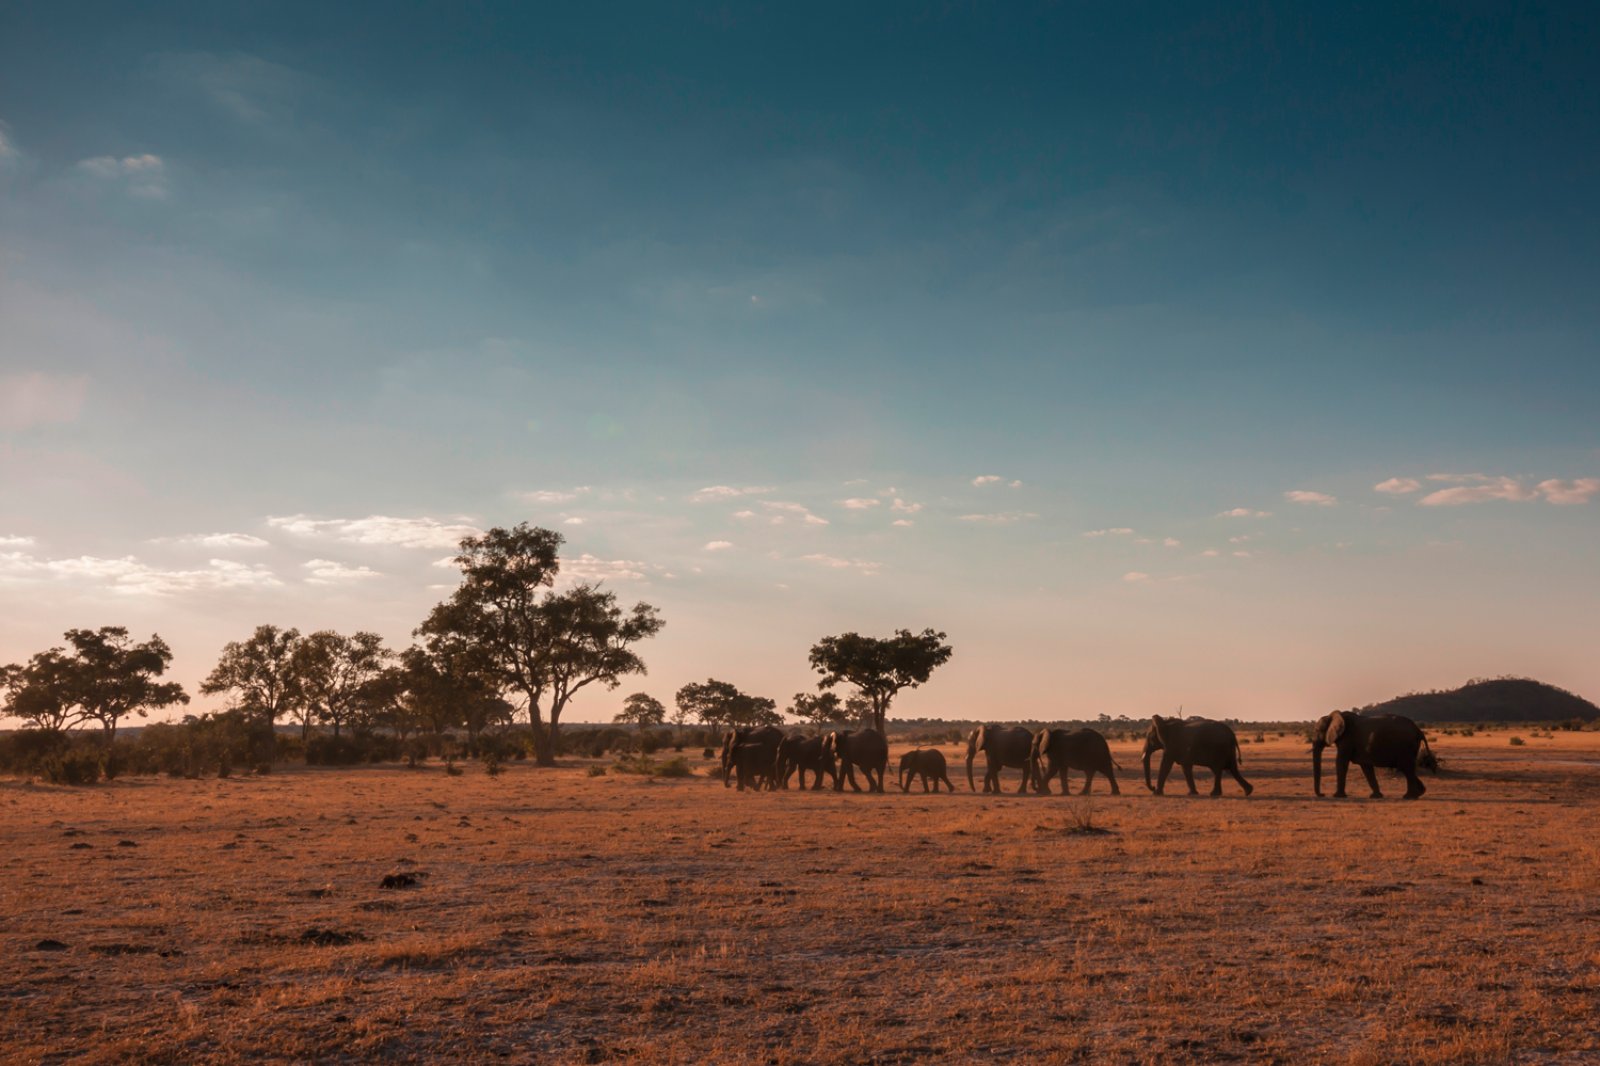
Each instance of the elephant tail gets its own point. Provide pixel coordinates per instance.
(1238, 753)
(1427, 760)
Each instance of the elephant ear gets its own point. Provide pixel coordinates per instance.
(1335, 727)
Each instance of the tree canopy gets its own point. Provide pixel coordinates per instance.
(879, 667)
(718, 703)
(641, 709)
(107, 677)
(261, 675)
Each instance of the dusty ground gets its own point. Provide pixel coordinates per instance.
(563, 918)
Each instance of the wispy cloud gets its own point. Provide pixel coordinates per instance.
(900, 506)
(1484, 488)
(833, 562)
(1117, 531)
(1310, 498)
(781, 511)
(127, 575)
(1244, 512)
(1565, 493)
(902, 522)
(215, 541)
(36, 399)
(588, 567)
(1135, 576)
(718, 545)
(328, 572)
(143, 175)
(1398, 486)
(553, 496)
(378, 529)
(1000, 518)
(16, 542)
(860, 503)
(994, 479)
(712, 493)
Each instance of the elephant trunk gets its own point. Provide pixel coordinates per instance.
(1147, 782)
(1316, 766)
(972, 752)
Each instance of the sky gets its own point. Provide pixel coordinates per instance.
(1160, 354)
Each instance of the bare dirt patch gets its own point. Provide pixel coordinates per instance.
(551, 916)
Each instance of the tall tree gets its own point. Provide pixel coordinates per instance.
(540, 646)
(820, 710)
(336, 674)
(117, 677)
(261, 674)
(43, 692)
(719, 703)
(641, 709)
(879, 667)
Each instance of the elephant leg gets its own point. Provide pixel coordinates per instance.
(1372, 780)
(1237, 776)
(1023, 788)
(1341, 768)
(1188, 775)
(1414, 786)
(1216, 782)
(1161, 780)
(1088, 782)
(851, 774)
(1112, 777)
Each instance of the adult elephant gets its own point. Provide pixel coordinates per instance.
(1055, 751)
(1003, 747)
(1391, 741)
(800, 752)
(767, 737)
(865, 748)
(1193, 742)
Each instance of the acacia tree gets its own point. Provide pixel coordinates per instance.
(538, 646)
(42, 692)
(261, 674)
(719, 703)
(820, 710)
(879, 667)
(117, 677)
(641, 709)
(337, 674)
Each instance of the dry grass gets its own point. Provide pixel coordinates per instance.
(562, 918)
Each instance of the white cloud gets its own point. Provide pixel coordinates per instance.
(215, 541)
(1244, 512)
(573, 521)
(17, 542)
(130, 576)
(379, 529)
(35, 399)
(1134, 576)
(986, 479)
(328, 572)
(144, 175)
(1002, 518)
(1172, 542)
(746, 514)
(727, 492)
(833, 562)
(1210, 553)
(588, 567)
(859, 503)
(1398, 486)
(1241, 555)
(903, 507)
(1310, 498)
(1118, 531)
(718, 545)
(1565, 493)
(903, 522)
(553, 496)
(1475, 488)
(782, 510)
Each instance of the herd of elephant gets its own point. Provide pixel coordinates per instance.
(767, 759)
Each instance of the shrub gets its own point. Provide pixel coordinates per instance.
(491, 764)
(80, 764)
(327, 750)
(597, 771)
(1517, 742)
(644, 765)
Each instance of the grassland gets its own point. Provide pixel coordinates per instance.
(558, 917)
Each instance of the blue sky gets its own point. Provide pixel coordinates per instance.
(346, 282)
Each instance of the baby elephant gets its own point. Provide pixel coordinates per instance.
(926, 763)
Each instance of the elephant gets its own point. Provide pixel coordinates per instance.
(1391, 741)
(1055, 751)
(926, 763)
(767, 736)
(752, 764)
(865, 748)
(1189, 743)
(1002, 746)
(802, 753)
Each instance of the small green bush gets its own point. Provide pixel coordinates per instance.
(1517, 742)
(645, 766)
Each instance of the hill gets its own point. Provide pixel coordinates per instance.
(1501, 699)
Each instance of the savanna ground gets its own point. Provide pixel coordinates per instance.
(558, 917)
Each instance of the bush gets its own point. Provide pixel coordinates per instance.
(644, 765)
(597, 771)
(80, 764)
(327, 750)
(1517, 742)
